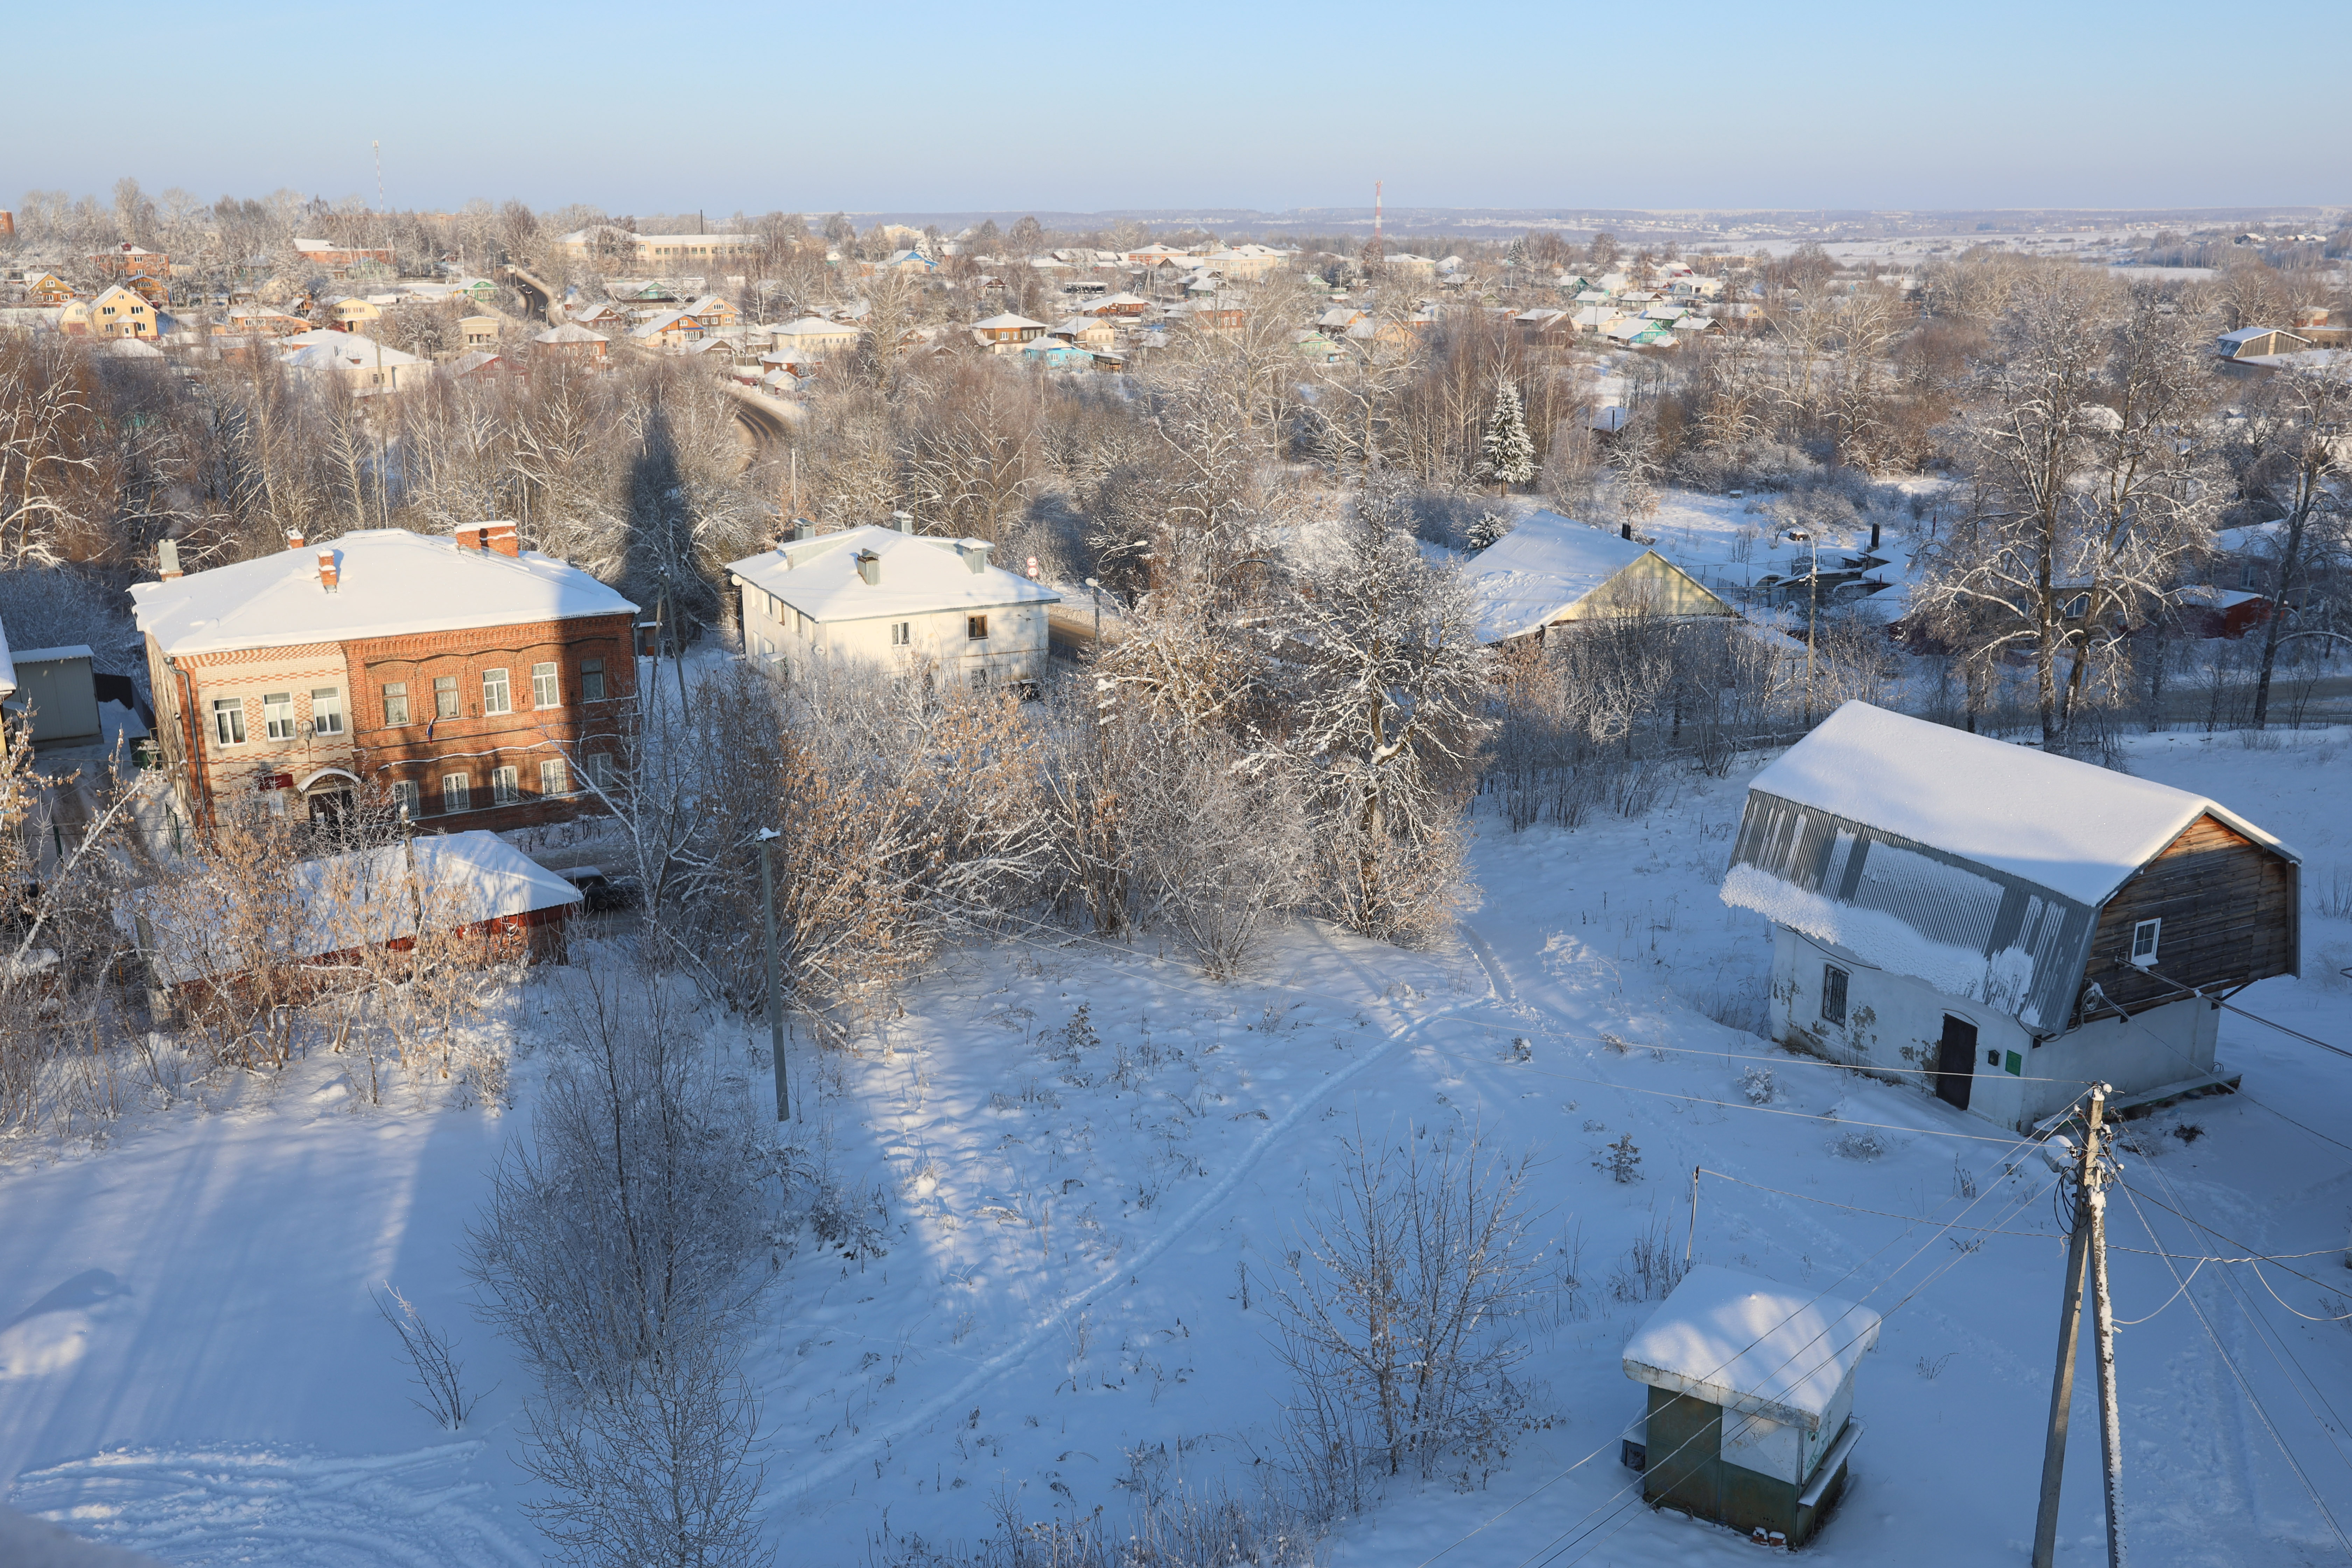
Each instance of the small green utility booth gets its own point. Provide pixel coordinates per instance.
(1751, 1402)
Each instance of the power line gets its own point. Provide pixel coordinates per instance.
(1774, 1110)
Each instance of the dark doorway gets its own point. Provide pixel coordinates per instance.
(330, 808)
(1956, 1062)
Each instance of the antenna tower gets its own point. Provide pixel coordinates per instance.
(380, 203)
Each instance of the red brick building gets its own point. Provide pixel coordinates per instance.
(474, 683)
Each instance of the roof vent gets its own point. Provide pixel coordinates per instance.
(167, 560)
(329, 577)
(803, 529)
(975, 554)
(906, 521)
(870, 567)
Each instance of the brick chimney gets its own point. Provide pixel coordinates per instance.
(294, 539)
(167, 561)
(495, 533)
(329, 577)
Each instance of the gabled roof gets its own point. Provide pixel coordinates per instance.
(1750, 1346)
(920, 573)
(570, 333)
(813, 326)
(356, 350)
(392, 581)
(1977, 865)
(1542, 569)
(1006, 322)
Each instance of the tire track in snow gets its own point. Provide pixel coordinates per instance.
(805, 1477)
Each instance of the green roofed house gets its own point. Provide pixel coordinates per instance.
(1750, 1402)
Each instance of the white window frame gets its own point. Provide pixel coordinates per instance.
(498, 692)
(395, 704)
(456, 792)
(592, 681)
(2146, 937)
(228, 720)
(506, 785)
(326, 709)
(278, 715)
(444, 697)
(406, 804)
(554, 777)
(902, 634)
(546, 686)
(600, 770)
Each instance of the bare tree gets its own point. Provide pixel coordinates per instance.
(2296, 443)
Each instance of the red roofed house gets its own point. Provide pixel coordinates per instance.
(469, 680)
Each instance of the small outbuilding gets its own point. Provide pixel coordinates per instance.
(1999, 927)
(1750, 1402)
(1550, 570)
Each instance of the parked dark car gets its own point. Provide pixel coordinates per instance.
(602, 892)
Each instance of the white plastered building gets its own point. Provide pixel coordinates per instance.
(881, 597)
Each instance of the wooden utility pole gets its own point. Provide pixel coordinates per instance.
(2089, 1238)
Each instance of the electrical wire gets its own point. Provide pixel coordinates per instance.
(2262, 1413)
(1774, 1110)
(2240, 1011)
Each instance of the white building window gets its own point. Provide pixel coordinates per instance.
(496, 697)
(444, 697)
(2144, 940)
(1833, 983)
(506, 785)
(404, 800)
(975, 627)
(327, 709)
(228, 720)
(278, 715)
(456, 792)
(554, 778)
(396, 703)
(902, 633)
(546, 691)
(762, 646)
(592, 681)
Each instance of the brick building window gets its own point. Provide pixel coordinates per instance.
(444, 697)
(456, 792)
(278, 715)
(600, 770)
(554, 778)
(327, 710)
(404, 803)
(396, 703)
(228, 720)
(546, 691)
(496, 697)
(592, 681)
(505, 786)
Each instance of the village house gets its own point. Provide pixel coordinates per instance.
(572, 341)
(1552, 571)
(667, 253)
(812, 338)
(716, 314)
(126, 258)
(478, 332)
(1999, 927)
(351, 314)
(363, 364)
(670, 330)
(880, 596)
(48, 289)
(116, 312)
(257, 320)
(468, 680)
(1006, 333)
(597, 315)
(339, 260)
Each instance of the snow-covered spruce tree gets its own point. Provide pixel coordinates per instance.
(1509, 451)
(1386, 719)
(1490, 527)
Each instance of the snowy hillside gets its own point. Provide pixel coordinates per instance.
(1077, 1223)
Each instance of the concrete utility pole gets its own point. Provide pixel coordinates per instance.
(768, 839)
(2086, 1249)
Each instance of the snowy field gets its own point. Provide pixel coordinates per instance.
(1080, 1238)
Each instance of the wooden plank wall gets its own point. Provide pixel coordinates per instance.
(2227, 907)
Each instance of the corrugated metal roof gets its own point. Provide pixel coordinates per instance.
(1968, 928)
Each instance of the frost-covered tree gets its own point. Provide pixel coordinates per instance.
(1387, 718)
(1490, 527)
(1509, 450)
(2092, 487)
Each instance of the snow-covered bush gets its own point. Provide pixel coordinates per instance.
(1490, 528)
(1756, 1084)
(1397, 1318)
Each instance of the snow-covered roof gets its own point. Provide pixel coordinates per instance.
(1542, 569)
(336, 350)
(920, 573)
(1006, 322)
(1749, 1345)
(390, 581)
(1977, 865)
(362, 898)
(570, 333)
(2077, 829)
(814, 326)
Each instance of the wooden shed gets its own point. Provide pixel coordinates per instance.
(1750, 1419)
(1998, 926)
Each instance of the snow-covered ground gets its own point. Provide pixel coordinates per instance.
(1080, 1242)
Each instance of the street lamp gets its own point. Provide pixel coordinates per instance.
(767, 837)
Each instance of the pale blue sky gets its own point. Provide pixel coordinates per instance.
(927, 105)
